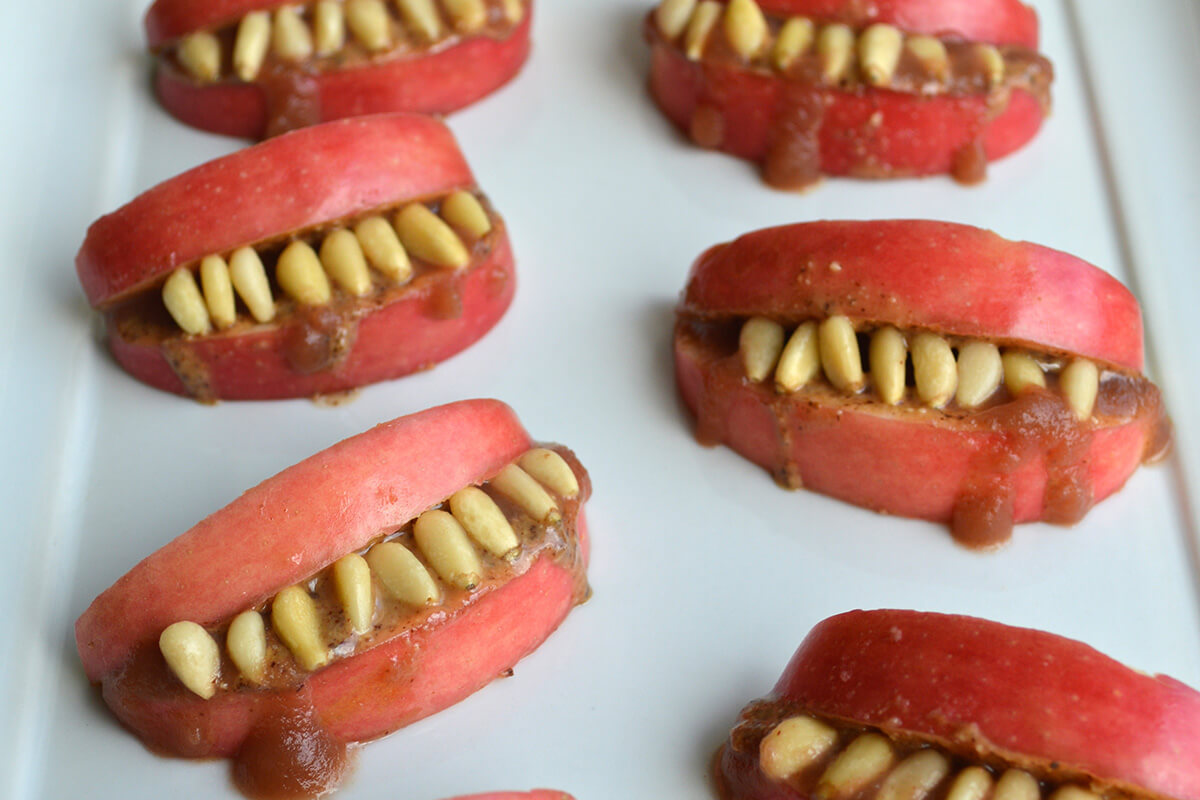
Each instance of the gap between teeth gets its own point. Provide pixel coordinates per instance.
(871, 56)
(449, 541)
(831, 348)
(297, 33)
(803, 750)
(346, 258)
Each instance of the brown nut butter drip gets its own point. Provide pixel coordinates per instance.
(321, 337)
(793, 156)
(291, 95)
(738, 774)
(1037, 425)
(288, 753)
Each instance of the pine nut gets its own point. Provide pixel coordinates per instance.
(469, 16)
(463, 211)
(329, 27)
(343, 259)
(246, 642)
(992, 62)
(301, 276)
(915, 777)
(866, 758)
(745, 27)
(370, 23)
(973, 783)
(402, 575)
(296, 621)
(290, 37)
(427, 237)
(980, 370)
(200, 55)
(249, 278)
(352, 581)
(793, 745)
(672, 17)
(839, 354)
(516, 484)
(551, 470)
(193, 656)
(879, 53)
(383, 249)
(218, 291)
(835, 48)
(483, 520)
(695, 39)
(1021, 371)
(888, 357)
(800, 360)
(250, 45)
(514, 11)
(1016, 784)
(184, 302)
(760, 344)
(447, 548)
(421, 17)
(933, 369)
(932, 54)
(795, 38)
(1080, 382)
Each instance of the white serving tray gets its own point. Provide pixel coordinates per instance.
(706, 575)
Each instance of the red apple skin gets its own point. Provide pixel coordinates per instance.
(987, 690)
(312, 176)
(914, 275)
(439, 82)
(994, 21)
(869, 132)
(293, 525)
(922, 274)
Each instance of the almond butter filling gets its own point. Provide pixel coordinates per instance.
(353, 258)
(469, 545)
(908, 369)
(1036, 410)
(880, 55)
(831, 760)
(333, 34)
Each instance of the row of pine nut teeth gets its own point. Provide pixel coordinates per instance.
(831, 347)
(875, 51)
(448, 542)
(801, 742)
(345, 255)
(294, 34)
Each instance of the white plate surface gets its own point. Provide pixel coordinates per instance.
(706, 575)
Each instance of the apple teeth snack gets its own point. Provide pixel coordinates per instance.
(256, 68)
(902, 705)
(330, 258)
(841, 87)
(923, 369)
(365, 588)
